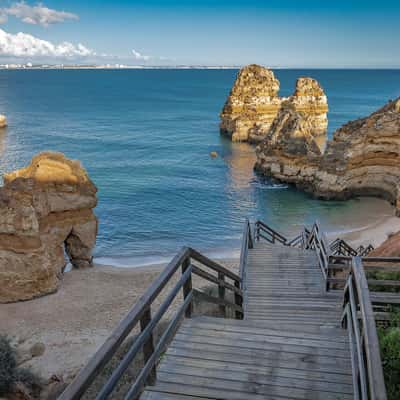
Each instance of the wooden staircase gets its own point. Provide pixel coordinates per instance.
(288, 346)
(288, 341)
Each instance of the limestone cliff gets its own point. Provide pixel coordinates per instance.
(45, 210)
(254, 103)
(362, 159)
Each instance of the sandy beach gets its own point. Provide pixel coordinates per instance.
(73, 322)
(375, 233)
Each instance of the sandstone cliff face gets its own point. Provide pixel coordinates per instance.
(45, 210)
(362, 159)
(253, 104)
(311, 102)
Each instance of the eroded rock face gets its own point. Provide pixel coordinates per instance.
(310, 100)
(46, 209)
(362, 159)
(254, 103)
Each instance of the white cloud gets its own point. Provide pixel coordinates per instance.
(36, 15)
(140, 57)
(26, 45)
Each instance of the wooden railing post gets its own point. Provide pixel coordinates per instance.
(221, 293)
(148, 347)
(187, 287)
(238, 302)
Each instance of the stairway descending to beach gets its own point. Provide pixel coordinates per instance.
(293, 337)
(289, 344)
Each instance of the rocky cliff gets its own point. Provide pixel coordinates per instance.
(46, 213)
(362, 159)
(253, 104)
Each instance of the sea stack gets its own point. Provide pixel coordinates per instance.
(252, 104)
(363, 158)
(311, 102)
(46, 212)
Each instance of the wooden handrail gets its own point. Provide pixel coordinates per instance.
(368, 259)
(317, 241)
(141, 312)
(272, 235)
(341, 248)
(368, 380)
(247, 243)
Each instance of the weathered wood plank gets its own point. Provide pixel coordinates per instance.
(266, 356)
(274, 369)
(249, 387)
(211, 371)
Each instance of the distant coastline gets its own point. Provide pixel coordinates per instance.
(113, 66)
(29, 66)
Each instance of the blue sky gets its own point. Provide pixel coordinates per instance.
(273, 33)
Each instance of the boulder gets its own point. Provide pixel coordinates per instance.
(363, 158)
(46, 212)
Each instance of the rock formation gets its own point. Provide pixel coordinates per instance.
(362, 159)
(46, 210)
(310, 101)
(3, 121)
(389, 248)
(253, 104)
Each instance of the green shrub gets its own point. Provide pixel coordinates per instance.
(389, 340)
(10, 374)
(384, 275)
(8, 365)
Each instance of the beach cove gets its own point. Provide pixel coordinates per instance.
(149, 155)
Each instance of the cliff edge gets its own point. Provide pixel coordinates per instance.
(363, 158)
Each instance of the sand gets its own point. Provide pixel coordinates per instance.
(73, 322)
(374, 234)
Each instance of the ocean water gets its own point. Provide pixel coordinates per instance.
(145, 137)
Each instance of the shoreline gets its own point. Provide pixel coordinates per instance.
(375, 233)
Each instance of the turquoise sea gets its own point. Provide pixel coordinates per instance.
(145, 137)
